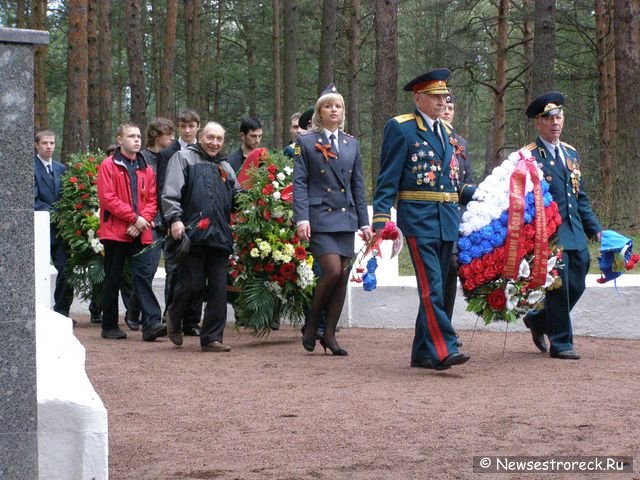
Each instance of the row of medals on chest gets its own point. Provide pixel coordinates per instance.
(425, 172)
(575, 174)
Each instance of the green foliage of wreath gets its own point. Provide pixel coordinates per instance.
(77, 217)
(271, 267)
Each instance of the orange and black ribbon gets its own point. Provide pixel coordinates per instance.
(326, 151)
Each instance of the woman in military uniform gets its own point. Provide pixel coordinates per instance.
(329, 206)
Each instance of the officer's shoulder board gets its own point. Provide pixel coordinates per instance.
(296, 149)
(448, 127)
(347, 134)
(404, 118)
(531, 147)
(566, 145)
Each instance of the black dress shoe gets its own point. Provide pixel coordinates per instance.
(536, 335)
(96, 318)
(566, 355)
(155, 331)
(132, 323)
(113, 334)
(423, 363)
(453, 359)
(191, 331)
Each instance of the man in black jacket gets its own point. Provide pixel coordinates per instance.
(251, 136)
(188, 125)
(197, 201)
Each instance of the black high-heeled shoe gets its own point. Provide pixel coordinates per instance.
(335, 349)
(309, 345)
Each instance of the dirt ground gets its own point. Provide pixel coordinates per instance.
(269, 410)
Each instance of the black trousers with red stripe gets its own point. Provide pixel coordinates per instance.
(434, 337)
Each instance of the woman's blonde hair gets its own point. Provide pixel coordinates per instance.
(316, 120)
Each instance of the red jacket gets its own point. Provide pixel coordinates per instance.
(114, 195)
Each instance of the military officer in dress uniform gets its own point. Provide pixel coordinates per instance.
(418, 168)
(560, 165)
(329, 207)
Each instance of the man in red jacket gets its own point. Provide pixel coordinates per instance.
(128, 203)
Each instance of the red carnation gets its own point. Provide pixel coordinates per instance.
(84, 196)
(73, 180)
(281, 280)
(529, 231)
(300, 252)
(390, 231)
(203, 224)
(78, 206)
(78, 165)
(286, 194)
(262, 202)
(269, 267)
(272, 168)
(234, 274)
(271, 177)
(79, 232)
(257, 267)
(279, 220)
(497, 299)
(81, 186)
(89, 174)
(287, 269)
(268, 189)
(266, 215)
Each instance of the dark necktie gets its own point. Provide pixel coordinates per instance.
(50, 170)
(556, 155)
(332, 139)
(436, 130)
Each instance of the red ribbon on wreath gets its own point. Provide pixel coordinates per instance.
(514, 245)
(326, 151)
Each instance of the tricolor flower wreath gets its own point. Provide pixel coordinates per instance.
(507, 262)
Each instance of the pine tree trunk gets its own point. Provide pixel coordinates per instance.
(249, 51)
(94, 75)
(135, 62)
(606, 103)
(499, 101)
(327, 44)
(21, 21)
(166, 104)
(192, 40)
(277, 77)
(75, 112)
(155, 16)
(386, 76)
(105, 77)
(353, 88)
(528, 57)
(544, 47)
(217, 86)
(40, 112)
(626, 210)
(289, 69)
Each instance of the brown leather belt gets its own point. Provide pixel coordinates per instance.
(428, 196)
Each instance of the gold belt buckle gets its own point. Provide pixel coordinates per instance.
(445, 196)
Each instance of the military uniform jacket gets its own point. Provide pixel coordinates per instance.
(566, 185)
(329, 193)
(413, 161)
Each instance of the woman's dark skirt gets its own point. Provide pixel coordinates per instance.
(324, 243)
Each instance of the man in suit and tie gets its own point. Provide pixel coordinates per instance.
(560, 164)
(419, 170)
(188, 126)
(47, 191)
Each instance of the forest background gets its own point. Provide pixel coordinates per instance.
(111, 61)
